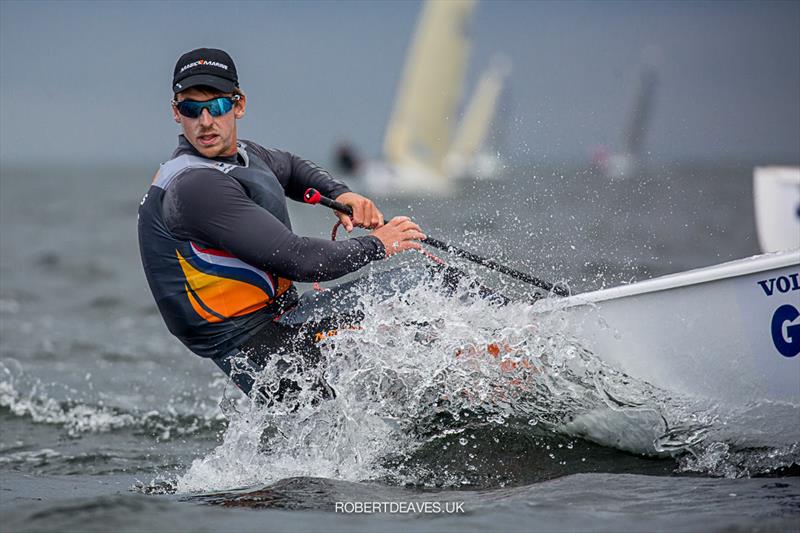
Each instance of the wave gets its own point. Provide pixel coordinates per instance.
(81, 417)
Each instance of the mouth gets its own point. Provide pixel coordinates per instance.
(208, 139)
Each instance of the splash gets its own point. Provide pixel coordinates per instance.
(428, 364)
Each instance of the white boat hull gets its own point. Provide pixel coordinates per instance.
(383, 179)
(728, 333)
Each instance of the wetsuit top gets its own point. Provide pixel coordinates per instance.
(217, 246)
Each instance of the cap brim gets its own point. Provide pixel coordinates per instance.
(206, 80)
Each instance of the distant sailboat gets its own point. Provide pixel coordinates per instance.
(423, 151)
(469, 155)
(626, 163)
(776, 193)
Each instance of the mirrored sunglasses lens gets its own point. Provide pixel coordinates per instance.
(190, 109)
(220, 106)
(216, 107)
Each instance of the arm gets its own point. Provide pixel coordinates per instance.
(297, 174)
(206, 206)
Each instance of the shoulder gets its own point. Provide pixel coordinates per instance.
(204, 182)
(190, 166)
(271, 156)
(280, 162)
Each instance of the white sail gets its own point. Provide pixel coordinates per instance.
(471, 138)
(419, 133)
(627, 163)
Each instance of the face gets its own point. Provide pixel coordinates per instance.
(211, 136)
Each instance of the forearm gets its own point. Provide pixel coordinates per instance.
(308, 259)
(305, 174)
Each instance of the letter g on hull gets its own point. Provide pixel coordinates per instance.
(786, 336)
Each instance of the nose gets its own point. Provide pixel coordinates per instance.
(205, 118)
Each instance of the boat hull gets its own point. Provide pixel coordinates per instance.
(383, 179)
(728, 333)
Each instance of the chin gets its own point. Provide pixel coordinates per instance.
(209, 151)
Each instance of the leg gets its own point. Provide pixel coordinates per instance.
(290, 349)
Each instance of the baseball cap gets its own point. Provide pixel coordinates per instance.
(205, 66)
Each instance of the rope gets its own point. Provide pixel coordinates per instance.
(335, 229)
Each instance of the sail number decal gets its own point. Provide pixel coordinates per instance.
(786, 330)
(785, 324)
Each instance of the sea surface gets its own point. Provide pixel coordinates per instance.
(109, 423)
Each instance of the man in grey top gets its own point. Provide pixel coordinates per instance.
(214, 232)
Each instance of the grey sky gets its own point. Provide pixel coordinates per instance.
(90, 81)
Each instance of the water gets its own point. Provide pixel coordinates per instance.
(108, 422)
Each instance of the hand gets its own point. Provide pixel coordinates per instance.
(399, 234)
(365, 213)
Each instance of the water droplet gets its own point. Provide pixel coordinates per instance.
(462, 441)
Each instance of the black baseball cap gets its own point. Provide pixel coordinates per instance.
(209, 67)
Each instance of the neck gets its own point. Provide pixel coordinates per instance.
(184, 146)
(233, 149)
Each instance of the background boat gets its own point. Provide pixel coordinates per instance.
(628, 162)
(472, 154)
(776, 193)
(425, 148)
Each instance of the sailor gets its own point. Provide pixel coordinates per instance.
(347, 158)
(215, 237)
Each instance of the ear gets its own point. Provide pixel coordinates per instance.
(239, 107)
(175, 115)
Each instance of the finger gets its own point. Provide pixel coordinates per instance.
(374, 217)
(358, 213)
(346, 221)
(414, 235)
(411, 236)
(398, 220)
(369, 215)
(408, 225)
(411, 245)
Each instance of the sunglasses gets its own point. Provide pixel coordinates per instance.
(216, 107)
